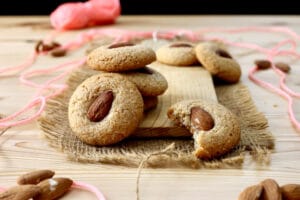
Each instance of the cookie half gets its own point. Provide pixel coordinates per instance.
(149, 81)
(215, 129)
(218, 62)
(105, 109)
(177, 54)
(120, 57)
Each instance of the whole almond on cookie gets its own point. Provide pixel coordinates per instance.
(53, 188)
(35, 177)
(20, 192)
(101, 106)
(290, 192)
(271, 190)
(251, 193)
(201, 120)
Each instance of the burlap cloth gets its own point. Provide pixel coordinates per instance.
(255, 137)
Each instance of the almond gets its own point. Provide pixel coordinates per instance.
(271, 190)
(58, 52)
(38, 46)
(201, 120)
(35, 177)
(181, 45)
(100, 107)
(263, 64)
(121, 44)
(53, 188)
(283, 67)
(41, 46)
(290, 192)
(223, 53)
(251, 193)
(20, 192)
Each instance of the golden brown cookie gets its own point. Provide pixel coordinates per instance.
(120, 57)
(218, 62)
(105, 109)
(215, 129)
(177, 54)
(149, 81)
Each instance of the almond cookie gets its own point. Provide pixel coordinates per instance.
(177, 54)
(105, 109)
(120, 57)
(218, 62)
(149, 81)
(215, 129)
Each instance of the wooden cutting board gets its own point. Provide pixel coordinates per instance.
(184, 83)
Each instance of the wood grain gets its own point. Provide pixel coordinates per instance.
(184, 83)
(22, 149)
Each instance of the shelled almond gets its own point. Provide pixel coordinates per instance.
(269, 189)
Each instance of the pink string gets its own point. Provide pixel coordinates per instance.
(91, 188)
(27, 63)
(38, 99)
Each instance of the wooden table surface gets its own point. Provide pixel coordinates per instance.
(23, 149)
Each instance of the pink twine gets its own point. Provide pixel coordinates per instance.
(78, 15)
(15, 69)
(39, 99)
(91, 188)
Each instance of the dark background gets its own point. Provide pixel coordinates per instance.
(44, 7)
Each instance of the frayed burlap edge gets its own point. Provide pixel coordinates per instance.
(255, 136)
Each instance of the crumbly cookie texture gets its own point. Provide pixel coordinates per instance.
(215, 129)
(177, 54)
(117, 120)
(149, 81)
(218, 62)
(120, 57)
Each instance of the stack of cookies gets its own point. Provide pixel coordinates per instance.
(108, 107)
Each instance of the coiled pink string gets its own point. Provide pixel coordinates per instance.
(82, 186)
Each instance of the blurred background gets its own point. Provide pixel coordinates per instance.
(166, 7)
